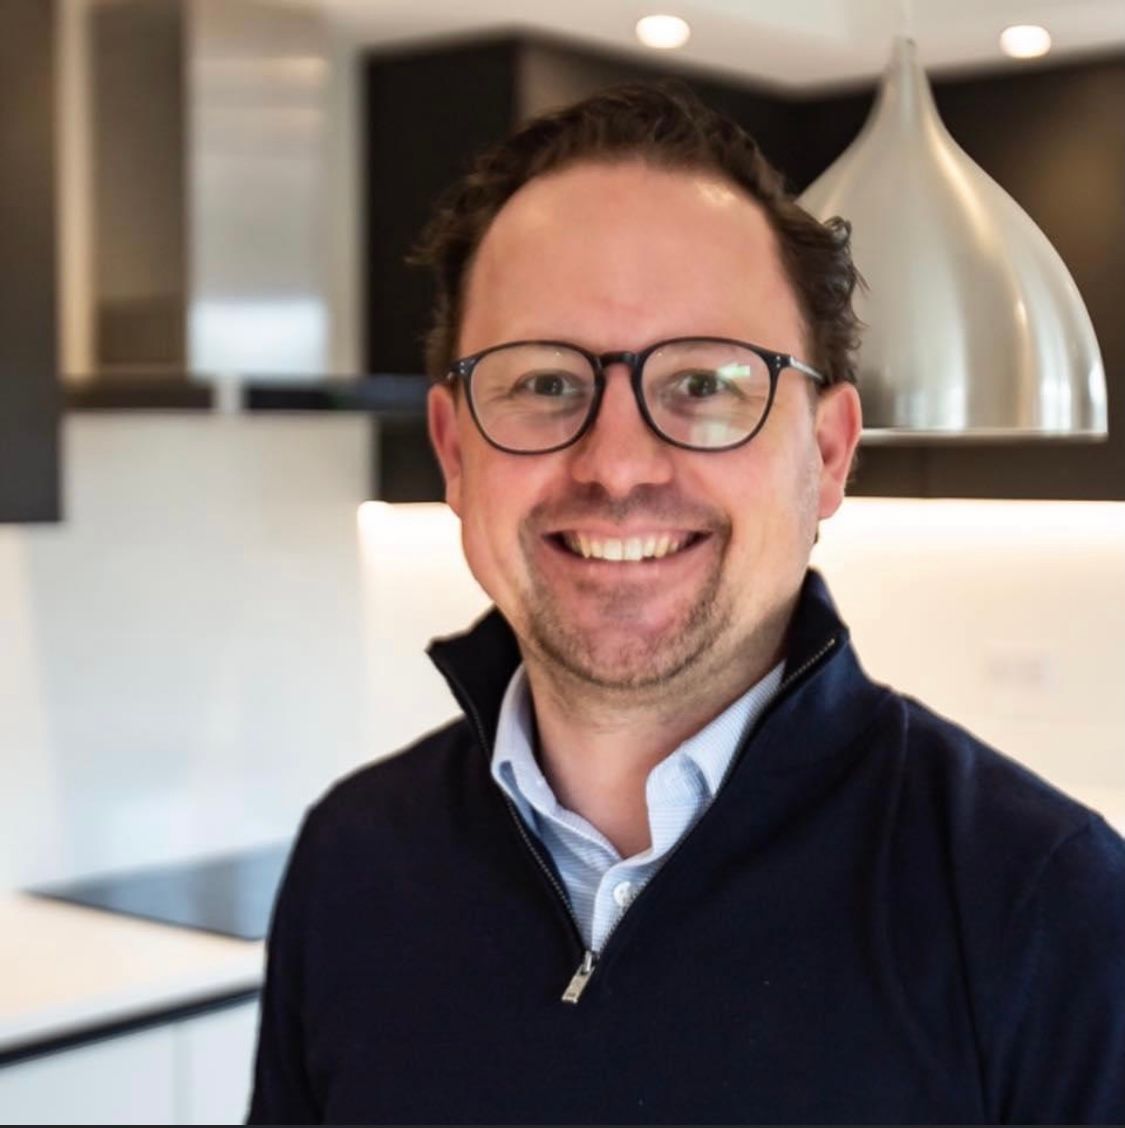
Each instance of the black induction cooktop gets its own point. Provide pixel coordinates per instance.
(230, 895)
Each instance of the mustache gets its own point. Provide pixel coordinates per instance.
(658, 504)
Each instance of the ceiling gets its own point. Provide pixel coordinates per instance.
(798, 44)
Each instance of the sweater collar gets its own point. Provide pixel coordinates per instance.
(479, 663)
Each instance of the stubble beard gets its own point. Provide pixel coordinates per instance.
(632, 666)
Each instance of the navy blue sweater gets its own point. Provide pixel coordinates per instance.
(878, 920)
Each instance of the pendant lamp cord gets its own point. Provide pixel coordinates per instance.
(906, 19)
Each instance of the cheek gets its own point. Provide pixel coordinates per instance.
(484, 551)
(773, 514)
(482, 515)
(497, 492)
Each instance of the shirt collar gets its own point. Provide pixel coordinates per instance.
(710, 751)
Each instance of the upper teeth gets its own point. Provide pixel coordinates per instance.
(652, 547)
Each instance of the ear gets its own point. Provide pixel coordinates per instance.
(839, 420)
(445, 437)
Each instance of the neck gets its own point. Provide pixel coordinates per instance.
(597, 745)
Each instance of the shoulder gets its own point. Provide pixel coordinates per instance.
(993, 834)
(1036, 885)
(387, 830)
(394, 805)
(1024, 857)
(992, 804)
(410, 781)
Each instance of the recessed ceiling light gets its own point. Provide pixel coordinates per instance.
(663, 32)
(1025, 41)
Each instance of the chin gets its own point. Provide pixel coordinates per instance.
(627, 671)
(628, 656)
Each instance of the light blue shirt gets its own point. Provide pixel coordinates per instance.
(600, 883)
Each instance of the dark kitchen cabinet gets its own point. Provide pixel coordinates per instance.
(1053, 136)
(29, 388)
(429, 112)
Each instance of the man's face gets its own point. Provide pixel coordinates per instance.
(615, 257)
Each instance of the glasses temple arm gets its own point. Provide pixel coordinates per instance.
(808, 370)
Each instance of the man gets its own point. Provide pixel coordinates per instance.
(680, 860)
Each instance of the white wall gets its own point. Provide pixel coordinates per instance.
(182, 659)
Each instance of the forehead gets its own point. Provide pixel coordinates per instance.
(619, 255)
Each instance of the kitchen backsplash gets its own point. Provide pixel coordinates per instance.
(181, 660)
(220, 628)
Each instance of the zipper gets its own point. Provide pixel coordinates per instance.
(829, 645)
(581, 977)
(547, 872)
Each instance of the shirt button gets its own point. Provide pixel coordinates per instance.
(623, 894)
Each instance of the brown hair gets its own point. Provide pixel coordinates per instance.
(666, 125)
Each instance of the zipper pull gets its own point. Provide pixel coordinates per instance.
(580, 978)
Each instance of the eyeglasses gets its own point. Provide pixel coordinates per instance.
(698, 393)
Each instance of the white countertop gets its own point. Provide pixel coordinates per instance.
(64, 968)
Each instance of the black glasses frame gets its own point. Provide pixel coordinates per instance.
(776, 362)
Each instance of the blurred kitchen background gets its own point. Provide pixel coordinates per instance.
(221, 543)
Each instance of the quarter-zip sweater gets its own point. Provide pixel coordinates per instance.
(878, 919)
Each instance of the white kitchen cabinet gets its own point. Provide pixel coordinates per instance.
(130, 1079)
(191, 1071)
(215, 1053)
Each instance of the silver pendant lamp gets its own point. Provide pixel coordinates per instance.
(974, 326)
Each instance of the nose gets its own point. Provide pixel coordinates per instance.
(620, 451)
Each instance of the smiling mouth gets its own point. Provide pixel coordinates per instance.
(626, 550)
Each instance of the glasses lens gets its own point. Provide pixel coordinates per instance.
(532, 397)
(706, 394)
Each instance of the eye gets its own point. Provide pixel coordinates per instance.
(547, 385)
(701, 384)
